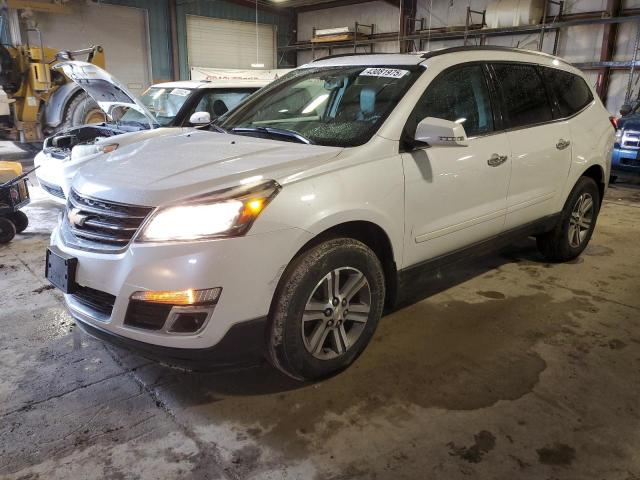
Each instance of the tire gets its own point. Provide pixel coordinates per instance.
(20, 221)
(563, 243)
(7, 230)
(80, 110)
(300, 348)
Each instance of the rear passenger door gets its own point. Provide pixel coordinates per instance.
(455, 196)
(540, 144)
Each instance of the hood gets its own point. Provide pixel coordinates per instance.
(630, 122)
(84, 153)
(104, 88)
(187, 163)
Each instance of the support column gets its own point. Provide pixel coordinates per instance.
(607, 50)
(173, 28)
(408, 9)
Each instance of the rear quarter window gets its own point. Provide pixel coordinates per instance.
(571, 91)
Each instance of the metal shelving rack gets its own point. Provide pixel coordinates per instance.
(330, 45)
(609, 18)
(549, 24)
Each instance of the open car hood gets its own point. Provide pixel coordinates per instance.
(105, 89)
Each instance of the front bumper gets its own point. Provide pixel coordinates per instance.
(246, 268)
(625, 159)
(50, 176)
(244, 344)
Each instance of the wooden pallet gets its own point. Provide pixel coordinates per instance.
(342, 37)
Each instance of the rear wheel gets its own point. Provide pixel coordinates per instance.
(81, 110)
(577, 221)
(326, 309)
(20, 221)
(7, 230)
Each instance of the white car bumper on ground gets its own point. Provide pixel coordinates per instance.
(239, 266)
(50, 175)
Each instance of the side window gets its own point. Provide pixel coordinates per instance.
(524, 97)
(460, 95)
(571, 91)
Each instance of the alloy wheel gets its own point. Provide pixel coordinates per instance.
(336, 313)
(581, 220)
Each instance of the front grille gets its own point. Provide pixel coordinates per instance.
(52, 190)
(95, 300)
(630, 162)
(630, 139)
(100, 224)
(150, 316)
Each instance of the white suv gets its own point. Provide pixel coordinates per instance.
(321, 200)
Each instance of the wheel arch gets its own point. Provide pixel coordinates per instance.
(58, 102)
(596, 172)
(374, 237)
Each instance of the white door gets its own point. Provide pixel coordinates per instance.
(218, 43)
(454, 196)
(540, 148)
(121, 31)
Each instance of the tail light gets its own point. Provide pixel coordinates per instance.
(614, 122)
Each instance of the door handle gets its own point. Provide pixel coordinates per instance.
(562, 144)
(496, 160)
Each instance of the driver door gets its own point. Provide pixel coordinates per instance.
(454, 195)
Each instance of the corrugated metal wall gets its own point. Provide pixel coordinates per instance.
(160, 33)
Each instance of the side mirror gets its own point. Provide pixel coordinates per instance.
(439, 132)
(625, 109)
(200, 118)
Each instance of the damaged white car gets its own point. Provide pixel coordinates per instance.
(132, 119)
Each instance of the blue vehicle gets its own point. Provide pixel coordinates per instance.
(626, 150)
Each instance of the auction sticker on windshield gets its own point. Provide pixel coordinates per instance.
(384, 72)
(180, 92)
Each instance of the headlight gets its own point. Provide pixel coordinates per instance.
(618, 136)
(228, 213)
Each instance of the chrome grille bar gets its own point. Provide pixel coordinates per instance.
(100, 225)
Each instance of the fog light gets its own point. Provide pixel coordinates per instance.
(188, 322)
(188, 297)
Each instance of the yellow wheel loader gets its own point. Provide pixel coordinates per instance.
(42, 99)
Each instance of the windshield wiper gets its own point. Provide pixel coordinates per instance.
(217, 128)
(280, 132)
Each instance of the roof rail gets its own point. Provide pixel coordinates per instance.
(496, 48)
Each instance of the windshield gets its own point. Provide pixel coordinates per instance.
(163, 103)
(218, 101)
(335, 106)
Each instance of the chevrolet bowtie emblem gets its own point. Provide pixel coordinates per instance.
(76, 219)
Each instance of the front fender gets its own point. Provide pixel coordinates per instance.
(57, 102)
(367, 192)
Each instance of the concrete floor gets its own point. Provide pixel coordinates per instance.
(511, 368)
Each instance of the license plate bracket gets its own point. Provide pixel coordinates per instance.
(60, 270)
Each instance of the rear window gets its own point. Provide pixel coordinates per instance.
(571, 91)
(524, 96)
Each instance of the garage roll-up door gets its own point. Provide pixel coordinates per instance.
(213, 42)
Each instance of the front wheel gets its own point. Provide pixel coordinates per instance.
(326, 309)
(577, 221)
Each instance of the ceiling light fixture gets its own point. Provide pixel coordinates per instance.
(257, 64)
